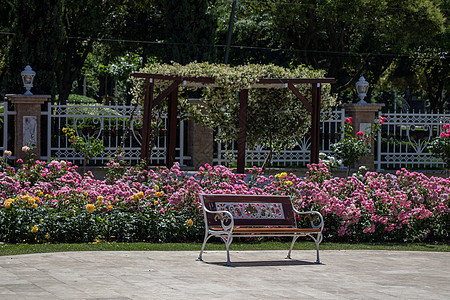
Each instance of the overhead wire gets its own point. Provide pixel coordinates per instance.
(324, 52)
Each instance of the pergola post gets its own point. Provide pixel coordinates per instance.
(242, 135)
(147, 118)
(315, 122)
(171, 137)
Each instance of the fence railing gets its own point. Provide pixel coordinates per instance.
(5, 141)
(299, 155)
(117, 126)
(3, 126)
(402, 142)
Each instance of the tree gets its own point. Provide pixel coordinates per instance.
(83, 21)
(190, 27)
(347, 38)
(5, 8)
(37, 39)
(253, 28)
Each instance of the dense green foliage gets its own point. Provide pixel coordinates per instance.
(37, 42)
(396, 44)
(190, 30)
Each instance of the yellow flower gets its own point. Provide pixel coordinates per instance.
(100, 198)
(135, 197)
(39, 193)
(34, 229)
(90, 207)
(110, 207)
(25, 197)
(156, 188)
(140, 195)
(156, 202)
(190, 222)
(7, 203)
(31, 201)
(64, 130)
(47, 236)
(159, 194)
(289, 182)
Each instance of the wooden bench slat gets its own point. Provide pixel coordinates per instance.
(269, 230)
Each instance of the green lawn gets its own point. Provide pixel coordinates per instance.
(15, 249)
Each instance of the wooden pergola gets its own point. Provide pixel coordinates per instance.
(172, 94)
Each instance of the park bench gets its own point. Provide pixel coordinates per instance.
(228, 216)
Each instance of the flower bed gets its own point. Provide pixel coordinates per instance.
(51, 202)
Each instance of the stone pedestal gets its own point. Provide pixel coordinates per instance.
(27, 123)
(363, 117)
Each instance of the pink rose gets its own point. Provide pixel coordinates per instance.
(360, 134)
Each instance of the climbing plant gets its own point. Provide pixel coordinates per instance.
(275, 117)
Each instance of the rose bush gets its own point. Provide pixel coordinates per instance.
(440, 146)
(52, 202)
(350, 149)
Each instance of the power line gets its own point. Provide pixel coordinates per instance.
(162, 43)
(314, 4)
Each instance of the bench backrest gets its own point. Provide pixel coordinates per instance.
(251, 210)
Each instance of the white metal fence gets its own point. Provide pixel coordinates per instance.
(299, 155)
(116, 125)
(5, 137)
(402, 142)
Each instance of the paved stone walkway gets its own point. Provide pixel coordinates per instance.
(255, 275)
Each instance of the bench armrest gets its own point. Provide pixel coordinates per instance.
(320, 225)
(223, 215)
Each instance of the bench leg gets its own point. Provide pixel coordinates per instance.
(228, 241)
(203, 246)
(317, 240)
(294, 239)
(317, 249)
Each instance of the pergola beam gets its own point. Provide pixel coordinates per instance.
(172, 91)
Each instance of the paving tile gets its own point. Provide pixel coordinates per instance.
(255, 275)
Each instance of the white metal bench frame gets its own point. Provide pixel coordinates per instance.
(267, 226)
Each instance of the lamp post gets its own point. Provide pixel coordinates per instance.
(27, 78)
(362, 86)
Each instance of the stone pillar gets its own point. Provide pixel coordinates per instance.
(201, 141)
(201, 145)
(27, 123)
(363, 117)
